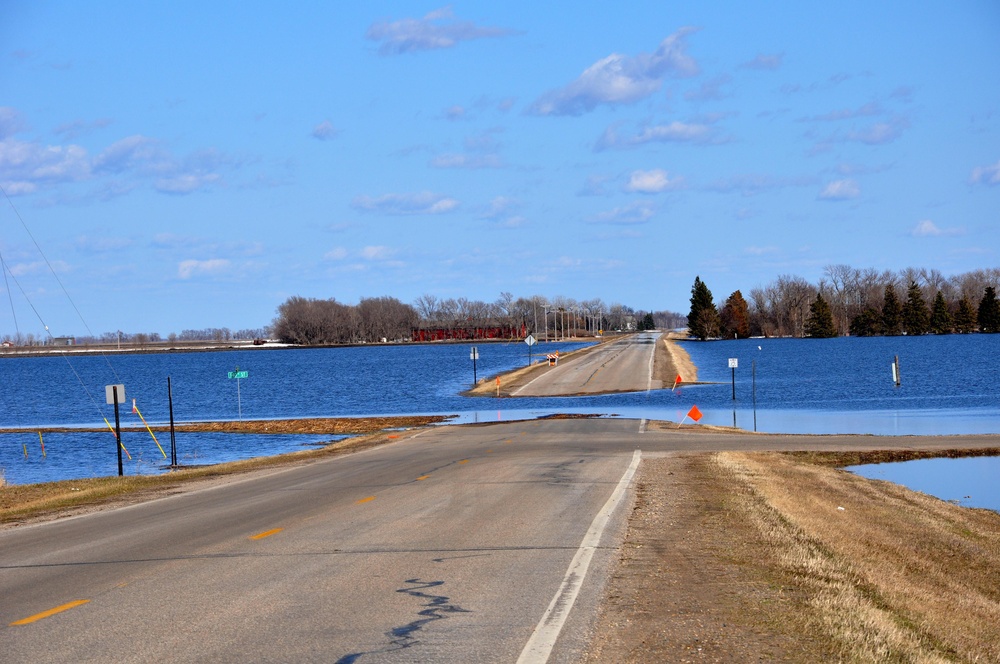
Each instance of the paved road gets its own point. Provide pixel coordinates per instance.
(625, 365)
(448, 546)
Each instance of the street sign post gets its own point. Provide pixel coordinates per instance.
(237, 374)
(531, 341)
(116, 394)
(474, 355)
(733, 364)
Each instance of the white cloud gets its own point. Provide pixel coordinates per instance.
(24, 165)
(928, 228)
(10, 122)
(136, 154)
(136, 160)
(879, 133)
(633, 213)
(765, 61)
(377, 253)
(423, 202)
(865, 110)
(325, 131)
(437, 29)
(620, 79)
(37, 267)
(673, 132)
(191, 268)
(840, 190)
(335, 254)
(987, 174)
(185, 183)
(467, 161)
(760, 251)
(652, 182)
(710, 90)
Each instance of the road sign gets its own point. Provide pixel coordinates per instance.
(239, 374)
(734, 363)
(474, 355)
(109, 394)
(530, 340)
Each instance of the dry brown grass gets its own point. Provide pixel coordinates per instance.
(30, 501)
(891, 574)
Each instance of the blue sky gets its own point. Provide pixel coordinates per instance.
(187, 164)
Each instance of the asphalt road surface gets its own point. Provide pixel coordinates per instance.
(450, 545)
(625, 365)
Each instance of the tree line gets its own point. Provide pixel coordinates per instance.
(311, 321)
(856, 302)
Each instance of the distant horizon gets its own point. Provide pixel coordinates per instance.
(612, 152)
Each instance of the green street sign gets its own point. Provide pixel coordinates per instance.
(239, 374)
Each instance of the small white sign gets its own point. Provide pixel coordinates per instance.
(109, 394)
(474, 355)
(734, 363)
(530, 340)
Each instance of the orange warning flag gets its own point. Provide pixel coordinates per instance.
(694, 413)
(678, 379)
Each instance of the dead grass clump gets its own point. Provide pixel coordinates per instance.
(893, 575)
(21, 502)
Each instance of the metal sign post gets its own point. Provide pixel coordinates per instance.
(474, 355)
(530, 340)
(173, 439)
(733, 364)
(237, 374)
(116, 394)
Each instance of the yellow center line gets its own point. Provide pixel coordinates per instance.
(50, 612)
(422, 477)
(266, 533)
(367, 499)
(464, 461)
(489, 451)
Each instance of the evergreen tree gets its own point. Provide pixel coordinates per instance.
(646, 323)
(820, 325)
(703, 321)
(916, 318)
(892, 313)
(965, 319)
(989, 312)
(942, 322)
(867, 324)
(735, 317)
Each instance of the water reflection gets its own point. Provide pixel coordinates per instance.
(971, 482)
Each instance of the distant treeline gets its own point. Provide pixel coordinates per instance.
(317, 321)
(858, 302)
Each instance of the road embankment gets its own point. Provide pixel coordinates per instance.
(750, 556)
(669, 361)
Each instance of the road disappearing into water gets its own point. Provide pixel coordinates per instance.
(623, 365)
(448, 545)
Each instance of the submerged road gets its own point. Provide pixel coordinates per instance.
(624, 365)
(453, 544)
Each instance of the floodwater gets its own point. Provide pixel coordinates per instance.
(949, 386)
(970, 482)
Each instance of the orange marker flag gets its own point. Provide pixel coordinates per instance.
(677, 381)
(694, 413)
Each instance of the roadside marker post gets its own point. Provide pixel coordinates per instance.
(237, 374)
(474, 355)
(116, 394)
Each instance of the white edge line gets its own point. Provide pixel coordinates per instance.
(652, 356)
(543, 639)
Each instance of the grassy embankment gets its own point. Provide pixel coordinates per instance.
(21, 502)
(786, 556)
